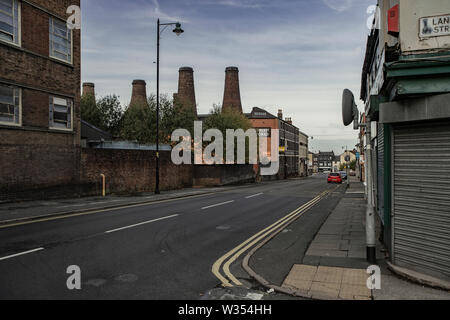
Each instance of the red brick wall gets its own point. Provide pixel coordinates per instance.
(129, 171)
(220, 175)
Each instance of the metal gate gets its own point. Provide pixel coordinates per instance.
(421, 197)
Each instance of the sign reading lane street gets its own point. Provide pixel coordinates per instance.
(435, 26)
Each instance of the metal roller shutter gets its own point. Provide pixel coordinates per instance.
(421, 193)
(380, 172)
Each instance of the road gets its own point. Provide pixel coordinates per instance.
(162, 250)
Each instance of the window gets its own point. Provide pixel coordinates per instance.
(60, 40)
(60, 113)
(9, 21)
(10, 105)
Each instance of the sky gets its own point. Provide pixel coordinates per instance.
(294, 55)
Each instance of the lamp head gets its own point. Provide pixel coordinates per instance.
(178, 31)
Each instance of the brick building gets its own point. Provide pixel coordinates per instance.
(39, 99)
(289, 135)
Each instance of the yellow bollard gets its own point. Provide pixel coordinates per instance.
(103, 185)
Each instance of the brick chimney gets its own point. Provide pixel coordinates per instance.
(280, 114)
(88, 89)
(289, 120)
(139, 94)
(232, 95)
(186, 89)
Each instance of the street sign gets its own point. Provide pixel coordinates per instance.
(358, 155)
(437, 26)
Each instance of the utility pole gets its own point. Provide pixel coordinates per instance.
(177, 31)
(157, 113)
(370, 213)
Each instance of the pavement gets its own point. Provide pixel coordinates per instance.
(334, 266)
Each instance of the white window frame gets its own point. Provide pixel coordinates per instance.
(50, 36)
(14, 124)
(19, 26)
(52, 106)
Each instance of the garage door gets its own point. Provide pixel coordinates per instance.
(421, 194)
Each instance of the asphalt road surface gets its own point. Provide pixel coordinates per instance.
(162, 250)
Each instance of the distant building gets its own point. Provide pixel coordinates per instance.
(336, 164)
(289, 134)
(313, 163)
(350, 153)
(303, 154)
(325, 160)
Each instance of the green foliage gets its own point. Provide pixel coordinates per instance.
(111, 113)
(353, 165)
(228, 119)
(105, 113)
(176, 116)
(139, 122)
(89, 110)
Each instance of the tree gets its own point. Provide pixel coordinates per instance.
(228, 119)
(89, 110)
(139, 121)
(176, 116)
(138, 124)
(111, 113)
(353, 165)
(105, 113)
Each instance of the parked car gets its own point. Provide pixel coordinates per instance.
(343, 175)
(334, 177)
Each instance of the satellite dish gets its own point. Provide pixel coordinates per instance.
(349, 109)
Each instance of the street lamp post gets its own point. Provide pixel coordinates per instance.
(178, 31)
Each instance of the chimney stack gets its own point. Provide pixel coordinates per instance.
(289, 120)
(186, 90)
(139, 94)
(88, 89)
(232, 95)
(280, 114)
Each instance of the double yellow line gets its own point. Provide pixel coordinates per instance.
(243, 247)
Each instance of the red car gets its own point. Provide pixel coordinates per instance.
(334, 177)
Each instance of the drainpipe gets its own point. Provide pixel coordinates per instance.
(370, 212)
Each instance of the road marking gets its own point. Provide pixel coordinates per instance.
(236, 252)
(142, 223)
(299, 213)
(216, 205)
(255, 195)
(21, 254)
(65, 215)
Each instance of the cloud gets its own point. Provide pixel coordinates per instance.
(339, 5)
(286, 58)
